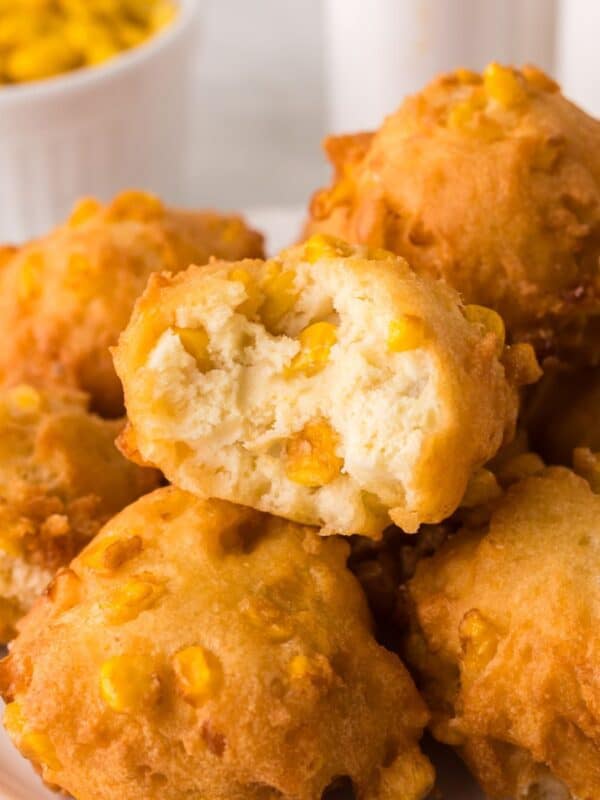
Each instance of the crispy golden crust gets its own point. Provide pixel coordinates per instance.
(505, 639)
(61, 479)
(563, 413)
(224, 400)
(492, 183)
(200, 654)
(65, 298)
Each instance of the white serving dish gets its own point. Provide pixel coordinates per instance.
(97, 131)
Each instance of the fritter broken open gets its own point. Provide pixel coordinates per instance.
(331, 386)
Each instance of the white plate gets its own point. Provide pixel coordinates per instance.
(18, 781)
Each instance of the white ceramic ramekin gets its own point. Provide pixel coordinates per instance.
(97, 131)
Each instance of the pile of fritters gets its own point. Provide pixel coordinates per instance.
(63, 301)
(382, 446)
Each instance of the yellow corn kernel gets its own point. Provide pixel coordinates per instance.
(491, 321)
(108, 555)
(460, 115)
(135, 205)
(316, 342)
(279, 292)
(41, 58)
(64, 590)
(479, 641)
(84, 210)
(311, 459)
(481, 489)
(299, 667)
(13, 719)
(24, 399)
(80, 29)
(30, 277)
(18, 28)
(38, 747)
(467, 77)
(406, 333)
(130, 34)
(199, 675)
(504, 85)
(195, 342)
(131, 598)
(254, 297)
(129, 683)
(321, 245)
(34, 745)
(99, 50)
(539, 80)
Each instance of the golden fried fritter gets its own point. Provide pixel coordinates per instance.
(563, 413)
(331, 386)
(491, 182)
(505, 640)
(65, 298)
(61, 479)
(207, 650)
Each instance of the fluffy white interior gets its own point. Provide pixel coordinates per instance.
(236, 418)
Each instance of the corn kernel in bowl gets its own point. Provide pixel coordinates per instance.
(45, 38)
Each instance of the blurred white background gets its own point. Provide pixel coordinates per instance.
(274, 77)
(229, 107)
(260, 106)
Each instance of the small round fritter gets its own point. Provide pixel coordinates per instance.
(331, 386)
(564, 413)
(506, 643)
(207, 650)
(491, 182)
(61, 479)
(65, 298)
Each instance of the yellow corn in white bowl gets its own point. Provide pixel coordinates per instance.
(43, 38)
(95, 104)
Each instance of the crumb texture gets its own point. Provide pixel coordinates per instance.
(331, 386)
